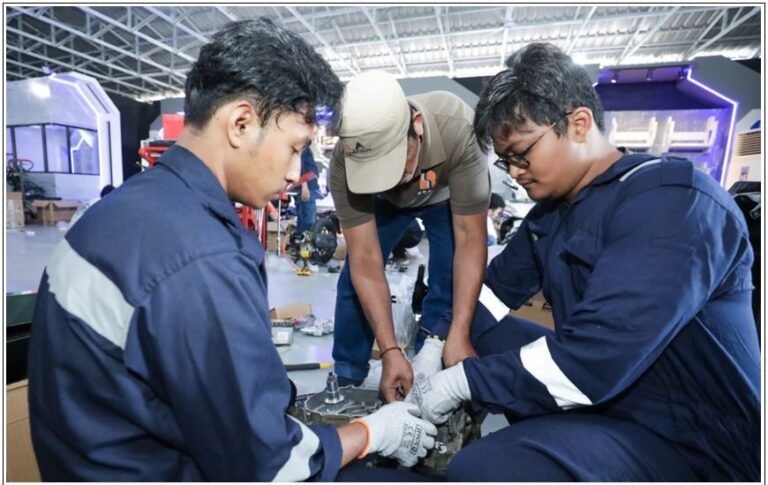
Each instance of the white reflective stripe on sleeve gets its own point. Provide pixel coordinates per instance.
(644, 164)
(538, 361)
(85, 292)
(296, 469)
(497, 308)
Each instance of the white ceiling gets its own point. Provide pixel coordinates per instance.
(144, 51)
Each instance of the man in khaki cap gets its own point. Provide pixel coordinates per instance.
(399, 158)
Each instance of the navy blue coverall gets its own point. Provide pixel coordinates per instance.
(151, 355)
(652, 371)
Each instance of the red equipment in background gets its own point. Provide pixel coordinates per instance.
(251, 218)
(172, 126)
(152, 153)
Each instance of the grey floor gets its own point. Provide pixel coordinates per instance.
(28, 250)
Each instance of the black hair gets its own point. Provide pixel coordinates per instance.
(541, 83)
(497, 201)
(271, 67)
(106, 189)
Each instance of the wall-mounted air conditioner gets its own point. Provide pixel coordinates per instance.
(746, 161)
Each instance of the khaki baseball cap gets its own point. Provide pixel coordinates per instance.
(374, 129)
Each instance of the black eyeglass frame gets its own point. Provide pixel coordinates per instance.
(518, 159)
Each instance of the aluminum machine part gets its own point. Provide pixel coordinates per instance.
(339, 405)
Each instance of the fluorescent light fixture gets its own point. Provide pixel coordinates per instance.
(734, 107)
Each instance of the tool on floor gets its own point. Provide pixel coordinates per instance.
(308, 366)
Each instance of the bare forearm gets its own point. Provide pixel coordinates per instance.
(373, 292)
(354, 438)
(468, 272)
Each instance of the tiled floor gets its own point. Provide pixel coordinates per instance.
(28, 251)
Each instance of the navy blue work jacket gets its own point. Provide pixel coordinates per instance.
(151, 355)
(648, 275)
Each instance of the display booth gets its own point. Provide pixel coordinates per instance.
(67, 130)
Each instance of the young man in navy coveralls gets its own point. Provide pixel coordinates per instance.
(652, 371)
(151, 355)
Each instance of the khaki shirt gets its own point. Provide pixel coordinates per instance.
(449, 156)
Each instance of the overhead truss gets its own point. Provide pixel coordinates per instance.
(144, 51)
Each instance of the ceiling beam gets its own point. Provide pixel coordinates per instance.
(548, 24)
(76, 68)
(383, 40)
(725, 32)
(73, 30)
(104, 30)
(140, 35)
(650, 34)
(444, 41)
(82, 55)
(579, 32)
(322, 40)
(505, 35)
(519, 26)
(177, 23)
(400, 54)
(232, 17)
(636, 28)
(704, 33)
(139, 76)
(353, 59)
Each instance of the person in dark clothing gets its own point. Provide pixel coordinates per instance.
(494, 211)
(652, 370)
(306, 207)
(410, 239)
(151, 356)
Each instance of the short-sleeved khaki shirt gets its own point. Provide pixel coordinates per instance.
(451, 166)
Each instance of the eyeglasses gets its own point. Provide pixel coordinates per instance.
(518, 159)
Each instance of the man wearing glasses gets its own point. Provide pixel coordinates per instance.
(652, 372)
(399, 158)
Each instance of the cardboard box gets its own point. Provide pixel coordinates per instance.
(14, 210)
(290, 311)
(284, 320)
(272, 236)
(52, 211)
(20, 457)
(536, 310)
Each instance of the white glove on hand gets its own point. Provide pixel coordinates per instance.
(429, 360)
(441, 394)
(396, 431)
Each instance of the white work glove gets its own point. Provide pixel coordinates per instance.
(441, 394)
(429, 360)
(396, 431)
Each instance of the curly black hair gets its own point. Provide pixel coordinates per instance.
(273, 68)
(541, 83)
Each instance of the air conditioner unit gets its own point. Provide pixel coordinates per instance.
(746, 162)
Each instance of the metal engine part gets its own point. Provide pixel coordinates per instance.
(339, 405)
